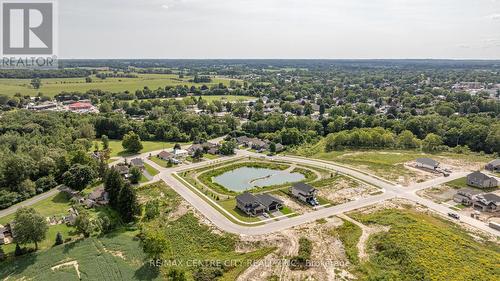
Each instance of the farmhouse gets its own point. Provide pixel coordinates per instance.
(249, 204)
(427, 163)
(304, 192)
(493, 166)
(488, 202)
(478, 179)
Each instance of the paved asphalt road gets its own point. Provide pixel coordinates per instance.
(29, 202)
(390, 191)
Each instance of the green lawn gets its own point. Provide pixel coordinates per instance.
(210, 156)
(458, 183)
(54, 86)
(422, 247)
(388, 164)
(117, 148)
(159, 161)
(55, 205)
(230, 206)
(152, 171)
(462, 183)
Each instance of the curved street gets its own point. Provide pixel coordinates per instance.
(390, 191)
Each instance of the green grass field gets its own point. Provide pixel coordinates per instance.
(152, 171)
(117, 148)
(462, 183)
(422, 247)
(387, 164)
(54, 205)
(159, 161)
(53, 86)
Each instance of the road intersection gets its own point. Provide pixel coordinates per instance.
(390, 191)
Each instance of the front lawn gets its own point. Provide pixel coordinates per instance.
(152, 171)
(230, 206)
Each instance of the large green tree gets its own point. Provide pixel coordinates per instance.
(113, 183)
(132, 142)
(79, 176)
(30, 227)
(127, 203)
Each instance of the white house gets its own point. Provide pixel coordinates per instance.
(180, 153)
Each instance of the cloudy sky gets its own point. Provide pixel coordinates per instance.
(279, 29)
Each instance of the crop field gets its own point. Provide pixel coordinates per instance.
(113, 257)
(422, 247)
(53, 86)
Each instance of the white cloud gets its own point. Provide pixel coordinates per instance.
(164, 6)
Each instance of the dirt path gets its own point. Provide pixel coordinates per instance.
(366, 232)
(70, 263)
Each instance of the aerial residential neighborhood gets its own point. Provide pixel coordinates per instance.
(262, 140)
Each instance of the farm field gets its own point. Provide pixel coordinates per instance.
(112, 257)
(419, 246)
(53, 86)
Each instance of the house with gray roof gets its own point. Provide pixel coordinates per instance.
(249, 204)
(465, 196)
(137, 162)
(269, 202)
(304, 192)
(493, 166)
(480, 180)
(488, 202)
(427, 163)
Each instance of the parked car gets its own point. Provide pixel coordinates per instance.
(453, 215)
(265, 215)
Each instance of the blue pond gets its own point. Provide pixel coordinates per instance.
(245, 178)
